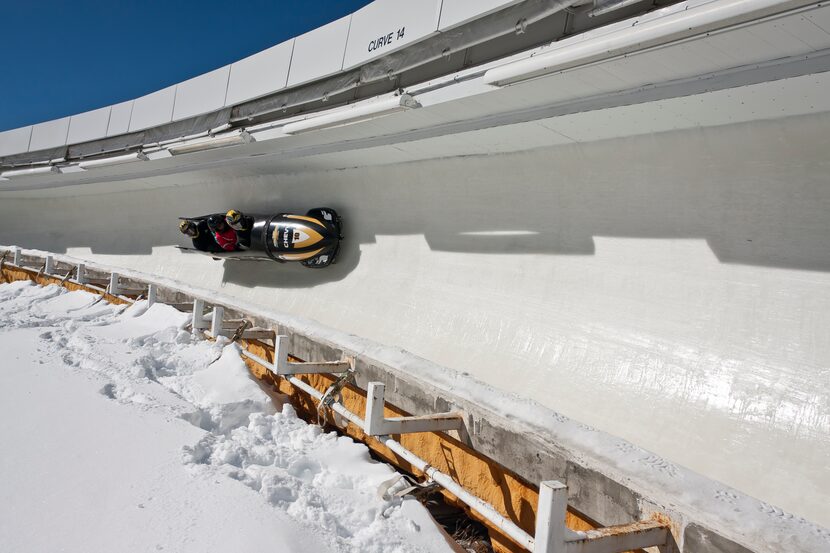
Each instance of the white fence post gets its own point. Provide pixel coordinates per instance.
(374, 409)
(16, 256)
(281, 354)
(198, 321)
(49, 268)
(151, 294)
(113, 287)
(378, 425)
(80, 274)
(285, 367)
(216, 321)
(550, 517)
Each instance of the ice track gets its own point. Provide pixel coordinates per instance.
(671, 289)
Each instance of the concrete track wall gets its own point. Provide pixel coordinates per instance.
(671, 289)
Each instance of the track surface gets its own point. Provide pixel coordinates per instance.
(672, 289)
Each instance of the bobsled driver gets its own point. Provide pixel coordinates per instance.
(200, 235)
(237, 221)
(223, 233)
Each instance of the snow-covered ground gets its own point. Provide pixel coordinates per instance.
(123, 432)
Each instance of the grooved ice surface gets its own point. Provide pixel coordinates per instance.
(671, 289)
(125, 433)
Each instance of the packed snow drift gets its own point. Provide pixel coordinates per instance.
(124, 432)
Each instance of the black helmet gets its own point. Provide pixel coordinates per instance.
(188, 228)
(216, 222)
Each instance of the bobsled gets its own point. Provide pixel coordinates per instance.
(312, 239)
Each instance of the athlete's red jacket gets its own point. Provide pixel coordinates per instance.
(226, 239)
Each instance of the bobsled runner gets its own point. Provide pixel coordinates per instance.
(312, 239)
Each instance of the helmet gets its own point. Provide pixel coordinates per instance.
(233, 217)
(216, 222)
(188, 228)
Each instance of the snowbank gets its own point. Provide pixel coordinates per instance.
(125, 433)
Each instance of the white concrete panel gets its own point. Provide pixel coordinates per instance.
(744, 45)
(560, 88)
(387, 25)
(388, 155)
(456, 12)
(120, 118)
(783, 98)
(783, 37)
(623, 121)
(90, 125)
(202, 94)
(508, 138)
(776, 99)
(154, 109)
(804, 30)
(319, 53)
(635, 69)
(695, 57)
(595, 78)
(260, 74)
(15, 141)
(50, 134)
(820, 18)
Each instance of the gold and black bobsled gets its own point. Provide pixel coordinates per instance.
(312, 239)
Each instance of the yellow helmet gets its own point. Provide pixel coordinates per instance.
(189, 228)
(233, 217)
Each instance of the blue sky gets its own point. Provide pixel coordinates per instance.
(66, 57)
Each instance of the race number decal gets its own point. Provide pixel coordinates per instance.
(283, 237)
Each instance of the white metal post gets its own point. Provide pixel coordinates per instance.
(151, 294)
(198, 321)
(378, 425)
(216, 321)
(80, 274)
(373, 422)
(16, 256)
(284, 367)
(550, 517)
(113, 286)
(281, 354)
(49, 268)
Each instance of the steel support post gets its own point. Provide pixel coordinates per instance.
(377, 425)
(198, 321)
(216, 320)
(113, 287)
(285, 367)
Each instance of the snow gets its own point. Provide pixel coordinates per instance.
(123, 432)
